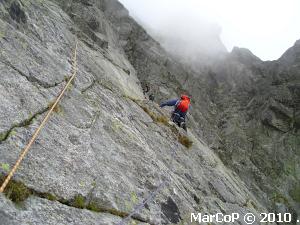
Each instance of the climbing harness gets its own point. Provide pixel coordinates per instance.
(176, 118)
(179, 120)
(36, 133)
(153, 194)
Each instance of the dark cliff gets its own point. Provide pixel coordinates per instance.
(107, 147)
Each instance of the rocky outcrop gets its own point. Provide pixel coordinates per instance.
(258, 123)
(107, 147)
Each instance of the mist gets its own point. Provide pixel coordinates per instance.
(208, 27)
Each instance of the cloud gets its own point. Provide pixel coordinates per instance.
(266, 27)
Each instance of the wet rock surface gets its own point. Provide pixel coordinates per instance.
(107, 147)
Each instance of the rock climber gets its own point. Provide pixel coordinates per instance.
(181, 107)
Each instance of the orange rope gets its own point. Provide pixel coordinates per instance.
(36, 133)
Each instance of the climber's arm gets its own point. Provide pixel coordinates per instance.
(169, 103)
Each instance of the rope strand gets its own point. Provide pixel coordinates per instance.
(36, 133)
(138, 207)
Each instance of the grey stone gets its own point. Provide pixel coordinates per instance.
(105, 143)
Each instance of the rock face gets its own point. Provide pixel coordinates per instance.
(259, 123)
(106, 148)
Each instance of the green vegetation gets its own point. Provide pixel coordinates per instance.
(107, 85)
(133, 222)
(3, 136)
(66, 78)
(2, 30)
(290, 168)
(2, 34)
(78, 202)
(16, 191)
(57, 109)
(185, 141)
(293, 142)
(116, 212)
(27, 122)
(250, 204)
(163, 120)
(92, 206)
(116, 125)
(13, 133)
(26, 3)
(279, 198)
(295, 194)
(134, 198)
(5, 167)
(48, 196)
(155, 117)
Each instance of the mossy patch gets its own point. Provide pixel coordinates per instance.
(116, 212)
(5, 167)
(150, 113)
(134, 198)
(107, 85)
(92, 206)
(163, 120)
(48, 196)
(16, 191)
(3, 136)
(2, 34)
(116, 125)
(185, 141)
(279, 198)
(78, 202)
(133, 222)
(13, 133)
(155, 117)
(2, 30)
(295, 194)
(290, 168)
(250, 204)
(293, 142)
(67, 78)
(57, 109)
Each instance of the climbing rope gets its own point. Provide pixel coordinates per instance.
(36, 133)
(138, 207)
(153, 194)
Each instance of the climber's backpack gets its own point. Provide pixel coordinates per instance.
(183, 105)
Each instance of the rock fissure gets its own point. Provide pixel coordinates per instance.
(229, 121)
(18, 192)
(98, 82)
(25, 123)
(32, 79)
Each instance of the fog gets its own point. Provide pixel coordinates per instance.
(266, 27)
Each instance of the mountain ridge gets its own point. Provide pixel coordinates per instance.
(105, 150)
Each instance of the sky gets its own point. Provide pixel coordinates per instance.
(266, 27)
